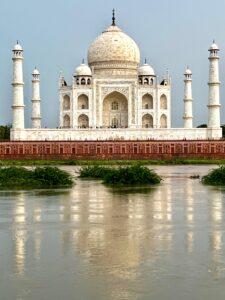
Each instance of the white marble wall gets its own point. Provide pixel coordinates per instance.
(129, 87)
(115, 134)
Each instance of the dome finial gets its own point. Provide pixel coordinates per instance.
(145, 60)
(83, 61)
(113, 18)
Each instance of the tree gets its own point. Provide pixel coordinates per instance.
(223, 130)
(5, 132)
(202, 126)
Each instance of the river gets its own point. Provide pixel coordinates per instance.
(93, 242)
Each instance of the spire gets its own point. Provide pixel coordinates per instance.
(145, 60)
(113, 18)
(83, 61)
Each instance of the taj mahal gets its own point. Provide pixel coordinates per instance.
(114, 97)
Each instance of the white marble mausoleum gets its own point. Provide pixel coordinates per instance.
(114, 97)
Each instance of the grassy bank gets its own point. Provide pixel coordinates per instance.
(175, 161)
(122, 176)
(38, 178)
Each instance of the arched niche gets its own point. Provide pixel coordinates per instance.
(163, 121)
(163, 102)
(83, 81)
(66, 121)
(147, 101)
(83, 121)
(115, 110)
(66, 102)
(147, 121)
(83, 102)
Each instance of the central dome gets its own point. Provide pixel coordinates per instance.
(114, 50)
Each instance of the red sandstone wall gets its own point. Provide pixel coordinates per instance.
(112, 150)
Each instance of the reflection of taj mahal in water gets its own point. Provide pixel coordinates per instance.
(113, 97)
(117, 234)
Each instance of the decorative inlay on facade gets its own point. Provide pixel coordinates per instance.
(107, 90)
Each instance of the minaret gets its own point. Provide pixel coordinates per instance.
(214, 88)
(188, 117)
(18, 95)
(62, 81)
(36, 100)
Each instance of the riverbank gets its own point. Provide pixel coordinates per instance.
(176, 161)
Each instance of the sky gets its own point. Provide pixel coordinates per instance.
(56, 35)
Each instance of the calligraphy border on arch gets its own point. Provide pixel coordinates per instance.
(107, 90)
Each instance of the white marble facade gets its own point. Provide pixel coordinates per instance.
(114, 97)
(112, 91)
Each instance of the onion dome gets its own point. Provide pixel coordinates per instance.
(83, 70)
(146, 70)
(114, 49)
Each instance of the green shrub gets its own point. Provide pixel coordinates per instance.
(46, 177)
(95, 172)
(49, 176)
(215, 177)
(5, 132)
(134, 175)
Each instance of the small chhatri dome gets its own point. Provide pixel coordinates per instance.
(36, 72)
(114, 49)
(146, 70)
(214, 46)
(18, 47)
(187, 71)
(83, 70)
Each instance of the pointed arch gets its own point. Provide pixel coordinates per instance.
(66, 102)
(163, 102)
(115, 110)
(147, 121)
(83, 81)
(147, 101)
(66, 121)
(163, 121)
(146, 80)
(83, 102)
(83, 121)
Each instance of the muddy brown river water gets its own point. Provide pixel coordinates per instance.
(94, 242)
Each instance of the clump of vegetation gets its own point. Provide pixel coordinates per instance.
(95, 172)
(131, 175)
(134, 175)
(45, 177)
(5, 132)
(215, 177)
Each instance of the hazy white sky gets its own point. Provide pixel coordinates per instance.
(56, 34)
